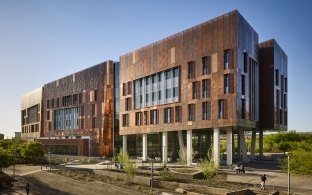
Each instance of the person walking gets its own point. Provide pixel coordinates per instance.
(27, 188)
(262, 182)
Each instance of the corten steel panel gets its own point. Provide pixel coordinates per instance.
(272, 57)
(208, 39)
(98, 78)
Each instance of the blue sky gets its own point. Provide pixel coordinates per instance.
(41, 41)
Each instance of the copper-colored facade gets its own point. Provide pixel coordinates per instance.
(273, 91)
(227, 35)
(212, 76)
(80, 106)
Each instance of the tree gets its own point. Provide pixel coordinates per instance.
(4, 159)
(32, 150)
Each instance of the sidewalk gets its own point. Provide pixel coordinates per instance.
(276, 180)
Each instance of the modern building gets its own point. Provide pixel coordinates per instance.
(192, 87)
(31, 115)
(1, 136)
(17, 134)
(173, 97)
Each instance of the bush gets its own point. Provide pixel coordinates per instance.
(166, 175)
(128, 166)
(299, 162)
(208, 168)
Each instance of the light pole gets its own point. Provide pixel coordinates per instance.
(49, 158)
(288, 155)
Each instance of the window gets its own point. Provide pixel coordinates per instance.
(80, 98)
(191, 112)
(168, 115)
(178, 114)
(129, 89)
(226, 59)
(52, 103)
(138, 118)
(243, 112)
(245, 62)
(243, 85)
(95, 95)
(191, 70)
(220, 109)
(285, 100)
(93, 122)
(66, 119)
(124, 89)
(206, 110)
(226, 83)
(93, 109)
(206, 64)
(276, 77)
(127, 104)
(154, 117)
(48, 104)
(82, 111)
(81, 123)
(195, 90)
(57, 102)
(285, 83)
(125, 120)
(75, 99)
(206, 88)
(145, 117)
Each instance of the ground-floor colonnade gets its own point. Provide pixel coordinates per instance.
(191, 146)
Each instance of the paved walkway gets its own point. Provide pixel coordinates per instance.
(276, 180)
(43, 182)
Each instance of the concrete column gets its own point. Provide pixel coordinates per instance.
(124, 143)
(242, 144)
(233, 144)
(229, 147)
(180, 136)
(216, 146)
(164, 147)
(189, 147)
(144, 145)
(253, 144)
(260, 143)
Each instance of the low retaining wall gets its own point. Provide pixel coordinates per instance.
(141, 180)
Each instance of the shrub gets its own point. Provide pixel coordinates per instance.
(128, 166)
(208, 168)
(299, 162)
(166, 175)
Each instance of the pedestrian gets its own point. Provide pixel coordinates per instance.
(262, 182)
(27, 188)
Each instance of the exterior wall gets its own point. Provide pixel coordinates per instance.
(81, 104)
(31, 115)
(81, 144)
(273, 94)
(229, 32)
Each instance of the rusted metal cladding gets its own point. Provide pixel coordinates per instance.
(81, 104)
(274, 79)
(223, 42)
